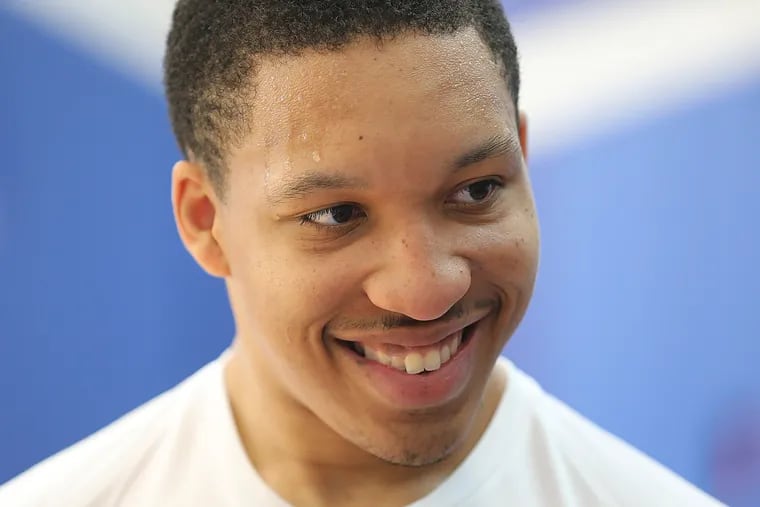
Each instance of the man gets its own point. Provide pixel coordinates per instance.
(355, 171)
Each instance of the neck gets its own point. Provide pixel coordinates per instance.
(306, 463)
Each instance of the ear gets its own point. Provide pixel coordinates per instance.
(523, 133)
(196, 214)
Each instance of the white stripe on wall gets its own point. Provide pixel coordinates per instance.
(595, 68)
(588, 68)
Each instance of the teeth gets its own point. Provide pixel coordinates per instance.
(455, 343)
(445, 354)
(398, 363)
(383, 358)
(432, 360)
(414, 363)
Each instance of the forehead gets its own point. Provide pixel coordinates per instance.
(442, 80)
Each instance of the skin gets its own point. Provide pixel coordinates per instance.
(419, 246)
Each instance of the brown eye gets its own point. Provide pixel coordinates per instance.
(334, 216)
(476, 192)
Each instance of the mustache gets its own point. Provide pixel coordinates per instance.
(399, 320)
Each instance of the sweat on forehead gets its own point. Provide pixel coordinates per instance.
(213, 50)
(323, 118)
(297, 98)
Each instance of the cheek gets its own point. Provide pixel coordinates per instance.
(286, 303)
(293, 291)
(509, 248)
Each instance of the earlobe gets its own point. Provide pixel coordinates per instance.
(523, 132)
(196, 216)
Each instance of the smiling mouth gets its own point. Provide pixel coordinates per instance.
(414, 360)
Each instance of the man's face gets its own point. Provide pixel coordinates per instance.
(378, 221)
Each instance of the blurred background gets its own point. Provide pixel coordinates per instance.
(645, 157)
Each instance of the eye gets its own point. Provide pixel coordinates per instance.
(478, 192)
(334, 216)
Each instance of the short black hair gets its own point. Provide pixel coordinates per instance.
(213, 45)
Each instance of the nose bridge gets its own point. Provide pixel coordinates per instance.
(422, 276)
(421, 248)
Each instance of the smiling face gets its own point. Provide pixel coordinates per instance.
(378, 223)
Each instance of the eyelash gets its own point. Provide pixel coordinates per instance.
(310, 219)
(496, 185)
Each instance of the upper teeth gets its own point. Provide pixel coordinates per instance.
(414, 362)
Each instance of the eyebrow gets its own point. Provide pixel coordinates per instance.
(296, 187)
(496, 146)
(301, 185)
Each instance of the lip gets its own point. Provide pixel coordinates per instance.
(422, 391)
(411, 337)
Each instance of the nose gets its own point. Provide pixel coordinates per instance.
(421, 275)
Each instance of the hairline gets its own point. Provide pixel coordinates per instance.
(243, 97)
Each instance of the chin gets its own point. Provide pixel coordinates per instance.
(422, 439)
(416, 452)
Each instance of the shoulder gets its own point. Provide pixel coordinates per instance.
(590, 465)
(101, 468)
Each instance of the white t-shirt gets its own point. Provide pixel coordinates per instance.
(182, 449)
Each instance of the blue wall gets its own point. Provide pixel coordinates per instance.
(100, 306)
(645, 315)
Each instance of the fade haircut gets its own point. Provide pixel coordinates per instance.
(214, 45)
